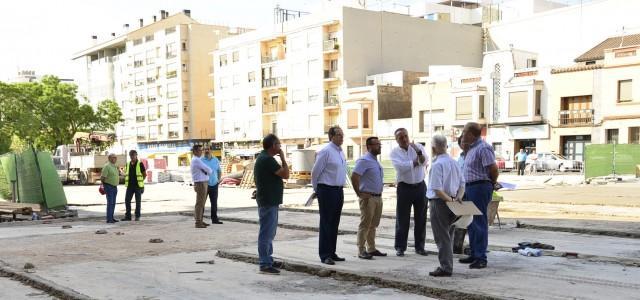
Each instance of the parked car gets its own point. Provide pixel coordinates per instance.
(504, 164)
(548, 161)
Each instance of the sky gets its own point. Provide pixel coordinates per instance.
(42, 35)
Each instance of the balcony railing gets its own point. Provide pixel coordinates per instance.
(274, 82)
(330, 74)
(172, 114)
(269, 59)
(270, 108)
(580, 117)
(141, 137)
(172, 74)
(139, 100)
(137, 63)
(331, 100)
(171, 55)
(139, 118)
(330, 45)
(151, 99)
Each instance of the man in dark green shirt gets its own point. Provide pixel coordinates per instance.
(268, 175)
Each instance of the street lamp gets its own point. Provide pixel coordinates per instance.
(430, 86)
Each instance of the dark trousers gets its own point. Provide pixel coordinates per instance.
(480, 194)
(131, 191)
(521, 165)
(409, 195)
(330, 200)
(213, 198)
(111, 192)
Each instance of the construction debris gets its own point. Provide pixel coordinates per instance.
(66, 226)
(101, 231)
(29, 266)
(155, 241)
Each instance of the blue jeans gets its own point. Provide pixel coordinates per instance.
(480, 194)
(268, 225)
(112, 192)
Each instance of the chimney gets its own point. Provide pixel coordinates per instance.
(125, 27)
(154, 19)
(94, 40)
(162, 14)
(141, 23)
(113, 34)
(187, 12)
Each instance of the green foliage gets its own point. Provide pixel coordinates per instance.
(46, 114)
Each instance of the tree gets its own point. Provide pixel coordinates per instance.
(108, 114)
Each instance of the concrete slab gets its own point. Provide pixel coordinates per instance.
(14, 290)
(160, 277)
(508, 276)
(506, 238)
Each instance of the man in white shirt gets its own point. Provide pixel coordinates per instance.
(410, 162)
(328, 176)
(200, 176)
(445, 184)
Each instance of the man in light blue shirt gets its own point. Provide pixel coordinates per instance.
(367, 182)
(214, 164)
(521, 158)
(328, 177)
(200, 177)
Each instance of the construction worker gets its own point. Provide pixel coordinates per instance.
(134, 176)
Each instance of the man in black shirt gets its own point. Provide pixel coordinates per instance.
(135, 174)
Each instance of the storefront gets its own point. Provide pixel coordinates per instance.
(527, 136)
(572, 146)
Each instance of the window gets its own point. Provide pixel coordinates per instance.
(463, 108)
(235, 56)
(349, 152)
(138, 78)
(538, 102)
(140, 112)
(365, 117)
(172, 90)
(172, 111)
(137, 60)
(352, 118)
(153, 132)
(141, 133)
(531, 63)
(172, 70)
(139, 94)
(174, 130)
(624, 90)
(137, 42)
(236, 79)
(438, 129)
(185, 68)
(153, 113)
(252, 100)
(333, 65)
(421, 117)
(169, 30)
(251, 52)
(313, 68)
(612, 136)
(634, 135)
(251, 76)
(518, 104)
(297, 96)
(184, 46)
(151, 56)
(481, 106)
(171, 50)
(223, 60)
(224, 82)
(148, 38)
(314, 94)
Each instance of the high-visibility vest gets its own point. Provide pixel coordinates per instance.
(138, 175)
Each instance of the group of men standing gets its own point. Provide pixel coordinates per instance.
(448, 181)
(134, 176)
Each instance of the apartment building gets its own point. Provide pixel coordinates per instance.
(292, 79)
(159, 73)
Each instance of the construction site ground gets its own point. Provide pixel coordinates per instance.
(598, 222)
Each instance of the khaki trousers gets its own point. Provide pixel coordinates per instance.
(201, 189)
(370, 212)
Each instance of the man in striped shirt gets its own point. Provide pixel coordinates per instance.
(480, 175)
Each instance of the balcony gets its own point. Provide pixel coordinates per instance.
(173, 134)
(332, 75)
(139, 119)
(139, 100)
(172, 74)
(151, 80)
(171, 55)
(274, 82)
(270, 59)
(582, 117)
(137, 64)
(273, 108)
(330, 45)
(141, 137)
(331, 100)
(172, 114)
(151, 99)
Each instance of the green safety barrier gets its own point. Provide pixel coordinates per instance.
(607, 159)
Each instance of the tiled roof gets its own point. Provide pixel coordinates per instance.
(577, 68)
(597, 52)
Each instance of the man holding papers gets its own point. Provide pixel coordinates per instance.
(446, 184)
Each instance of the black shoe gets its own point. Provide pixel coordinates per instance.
(328, 261)
(377, 253)
(335, 257)
(216, 222)
(126, 219)
(399, 253)
(421, 252)
(269, 271)
(440, 273)
(467, 260)
(478, 264)
(365, 255)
